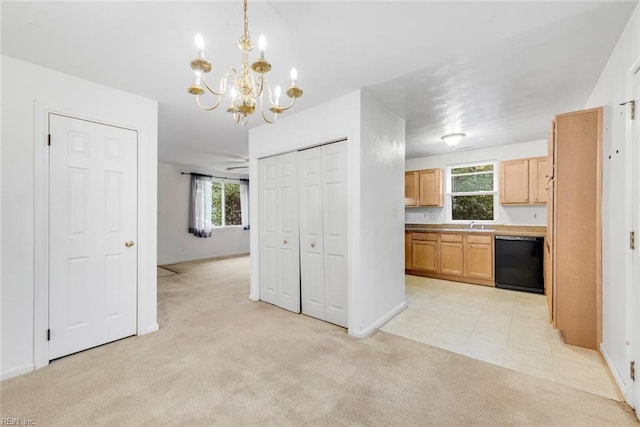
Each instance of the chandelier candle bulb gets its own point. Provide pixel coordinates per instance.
(262, 45)
(277, 92)
(200, 45)
(294, 77)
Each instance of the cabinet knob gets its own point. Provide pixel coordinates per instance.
(285, 242)
(313, 245)
(128, 244)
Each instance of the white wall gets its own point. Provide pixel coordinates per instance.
(512, 215)
(382, 148)
(328, 122)
(175, 244)
(617, 167)
(28, 92)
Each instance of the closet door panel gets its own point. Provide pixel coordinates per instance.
(279, 232)
(334, 213)
(312, 267)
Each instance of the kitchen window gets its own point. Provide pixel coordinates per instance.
(471, 192)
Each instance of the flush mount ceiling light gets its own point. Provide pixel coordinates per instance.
(245, 87)
(453, 139)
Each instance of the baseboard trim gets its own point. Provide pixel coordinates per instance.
(613, 371)
(202, 260)
(363, 333)
(14, 372)
(153, 328)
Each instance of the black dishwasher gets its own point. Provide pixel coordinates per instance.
(519, 263)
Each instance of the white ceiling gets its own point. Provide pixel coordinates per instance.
(498, 71)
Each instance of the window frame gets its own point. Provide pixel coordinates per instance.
(449, 193)
(224, 225)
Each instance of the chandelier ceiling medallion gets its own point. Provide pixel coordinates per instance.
(245, 87)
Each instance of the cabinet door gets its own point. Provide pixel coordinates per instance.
(479, 257)
(424, 255)
(407, 250)
(411, 188)
(430, 187)
(514, 182)
(451, 254)
(538, 175)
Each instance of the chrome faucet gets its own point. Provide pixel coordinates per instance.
(471, 225)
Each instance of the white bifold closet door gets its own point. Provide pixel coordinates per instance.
(279, 232)
(323, 232)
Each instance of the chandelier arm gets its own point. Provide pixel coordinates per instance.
(210, 89)
(213, 107)
(293, 101)
(265, 118)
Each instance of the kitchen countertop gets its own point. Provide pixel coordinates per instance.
(492, 229)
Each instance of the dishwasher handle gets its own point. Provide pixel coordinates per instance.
(525, 238)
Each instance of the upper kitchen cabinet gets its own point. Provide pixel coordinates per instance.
(423, 188)
(523, 181)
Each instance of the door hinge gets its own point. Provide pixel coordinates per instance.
(632, 370)
(49, 140)
(48, 334)
(632, 239)
(633, 108)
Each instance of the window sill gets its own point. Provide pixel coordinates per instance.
(230, 228)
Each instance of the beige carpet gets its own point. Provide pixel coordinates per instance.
(221, 359)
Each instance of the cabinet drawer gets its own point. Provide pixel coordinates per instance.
(451, 237)
(424, 236)
(480, 239)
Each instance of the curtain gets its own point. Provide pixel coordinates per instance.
(244, 204)
(200, 206)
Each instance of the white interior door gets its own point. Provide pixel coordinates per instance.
(312, 275)
(334, 220)
(279, 232)
(634, 135)
(93, 230)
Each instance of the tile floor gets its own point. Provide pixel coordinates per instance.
(502, 327)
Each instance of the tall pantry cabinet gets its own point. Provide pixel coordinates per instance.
(574, 232)
(303, 232)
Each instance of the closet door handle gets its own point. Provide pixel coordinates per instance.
(285, 242)
(313, 245)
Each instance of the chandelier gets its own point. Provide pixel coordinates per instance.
(246, 86)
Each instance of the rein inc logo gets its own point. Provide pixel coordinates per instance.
(7, 421)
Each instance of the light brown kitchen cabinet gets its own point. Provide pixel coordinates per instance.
(411, 184)
(479, 257)
(451, 254)
(462, 257)
(424, 251)
(549, 290)
(423, 188)
(575, 227)
(523, 181)
(407, 250)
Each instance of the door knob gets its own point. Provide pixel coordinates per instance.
(313, 245)
(128, 244)
(285, 242)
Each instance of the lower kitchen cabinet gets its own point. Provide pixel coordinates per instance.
(407, 250)
(479, 260)
(451, 254)
(459, 257)
(424, 251)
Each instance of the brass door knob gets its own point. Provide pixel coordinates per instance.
(128, 244)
